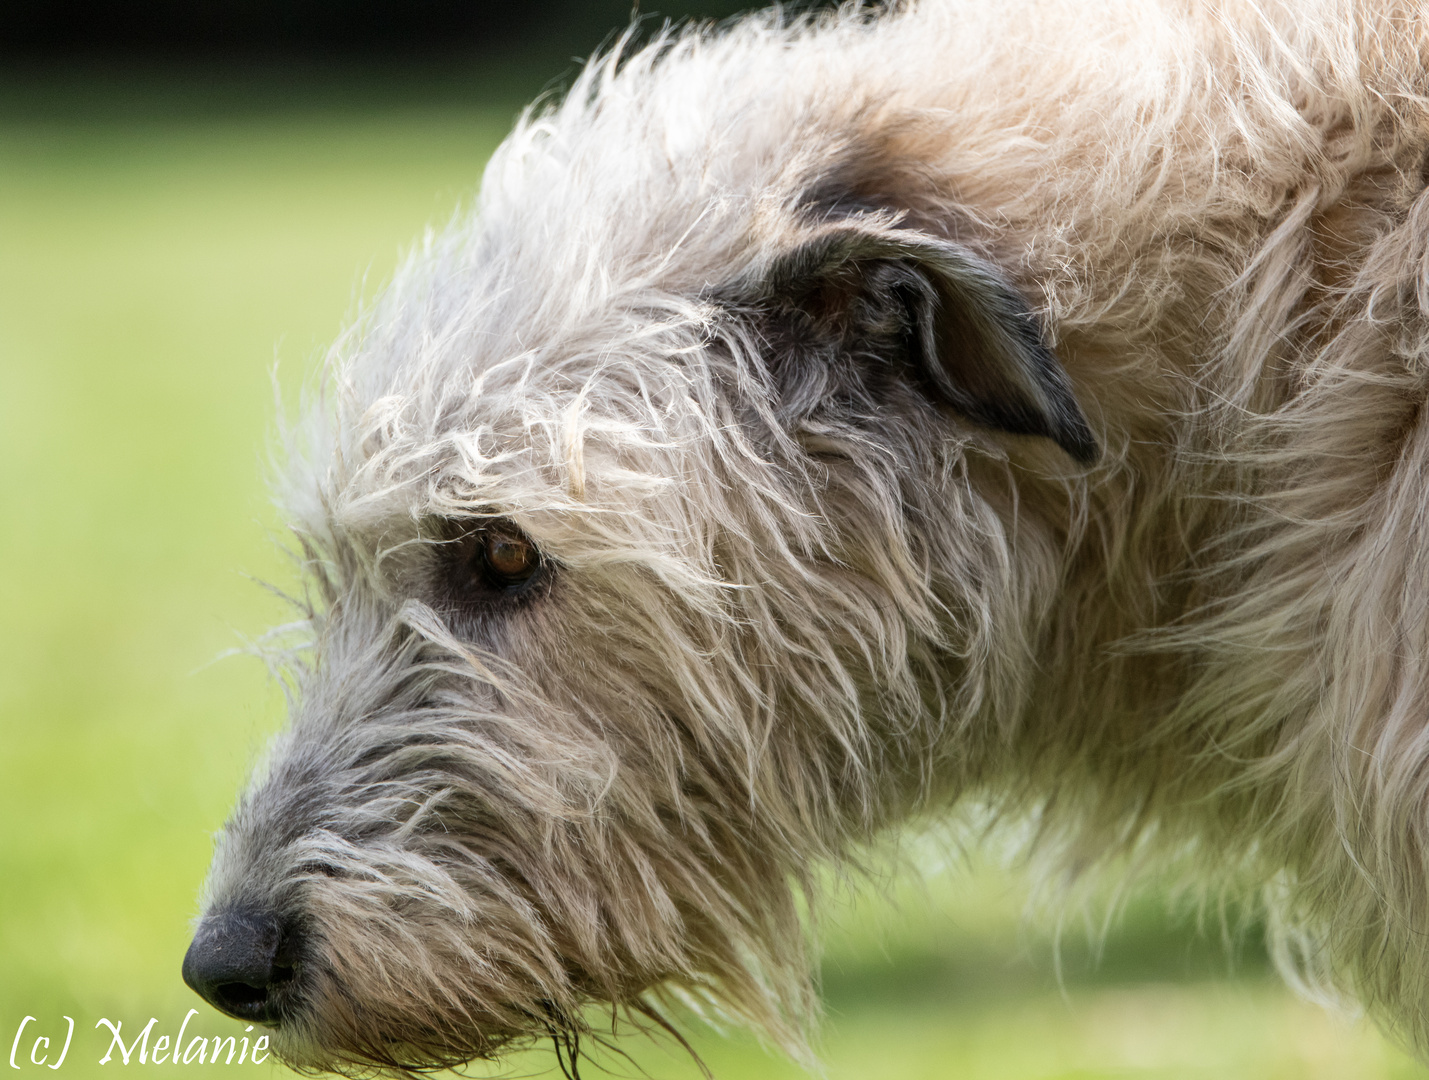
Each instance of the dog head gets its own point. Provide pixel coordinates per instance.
(646, 572)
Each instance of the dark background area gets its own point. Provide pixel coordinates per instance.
(310, 29)
(119, 61)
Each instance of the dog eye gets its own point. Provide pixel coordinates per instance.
(493, 560)
(508, 559)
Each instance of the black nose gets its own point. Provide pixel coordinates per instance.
(241, 963)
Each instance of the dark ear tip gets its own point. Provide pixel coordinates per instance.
(1080, 444)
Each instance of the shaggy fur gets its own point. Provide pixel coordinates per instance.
(1019, 402)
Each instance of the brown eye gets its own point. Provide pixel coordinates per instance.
(509, 559)
(490, 562)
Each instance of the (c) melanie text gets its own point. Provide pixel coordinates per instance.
(146, 1046)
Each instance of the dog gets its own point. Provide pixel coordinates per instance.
(824, 422)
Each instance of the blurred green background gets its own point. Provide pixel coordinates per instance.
(167, 235)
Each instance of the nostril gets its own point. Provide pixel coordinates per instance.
(241, 962)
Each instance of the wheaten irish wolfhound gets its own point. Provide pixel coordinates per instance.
(817, 424)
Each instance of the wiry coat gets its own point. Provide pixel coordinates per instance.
(1020, 401)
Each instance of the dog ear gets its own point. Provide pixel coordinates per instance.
(883, 291)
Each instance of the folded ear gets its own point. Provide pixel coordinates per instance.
(951, 314)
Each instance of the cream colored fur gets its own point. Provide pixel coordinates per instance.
(787, 613)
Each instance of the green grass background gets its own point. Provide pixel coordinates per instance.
(156, 260)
